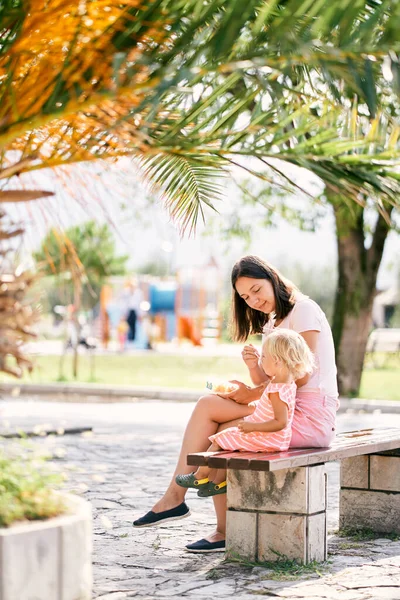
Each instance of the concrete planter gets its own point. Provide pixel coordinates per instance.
(48, 560)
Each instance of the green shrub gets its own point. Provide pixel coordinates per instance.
(27, 489)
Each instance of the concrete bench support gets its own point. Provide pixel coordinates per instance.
(370, 492)
(271, 514)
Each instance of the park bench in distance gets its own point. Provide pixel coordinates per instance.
(277, 501)
(383, 342)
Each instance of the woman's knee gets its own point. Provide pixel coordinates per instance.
(214, 407)
(204, 403)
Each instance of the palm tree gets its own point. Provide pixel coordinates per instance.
(176, 78)
(189, 88)
(17, 317)
(86, 250)
(86, 255)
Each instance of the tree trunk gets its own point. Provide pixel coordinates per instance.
(75, 359)
(75, 317)
(357, 273)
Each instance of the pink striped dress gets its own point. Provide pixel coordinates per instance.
(260, 441)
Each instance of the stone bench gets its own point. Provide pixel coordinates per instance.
(277, 501)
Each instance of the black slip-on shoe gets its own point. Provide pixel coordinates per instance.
(174, 514)
(203, 546)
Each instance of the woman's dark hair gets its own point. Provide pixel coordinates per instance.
(247, 320)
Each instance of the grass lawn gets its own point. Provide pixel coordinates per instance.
(382, 383)
(161, 370)
(188, 372)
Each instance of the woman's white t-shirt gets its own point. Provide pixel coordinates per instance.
(306, 315)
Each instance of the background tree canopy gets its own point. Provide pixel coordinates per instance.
(85, 251)
(188, 86)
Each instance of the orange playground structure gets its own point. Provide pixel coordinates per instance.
(185, 307)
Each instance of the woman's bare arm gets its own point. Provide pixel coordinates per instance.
(251, 359)
(244, 394)
(311, 338)
(257, 375)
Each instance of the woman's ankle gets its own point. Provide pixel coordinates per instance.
(169, 500)
(215, 536)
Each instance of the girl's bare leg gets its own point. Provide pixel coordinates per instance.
(209, 413)
(217, 475)
(204, 472)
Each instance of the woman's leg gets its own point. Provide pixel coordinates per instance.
(314, 421)
(220, 503)
(209, 413)
(220, 511)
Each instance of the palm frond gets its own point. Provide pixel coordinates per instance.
(189, 183)
(188, 86)
(22, 195)
(12, 16)
(151, 47)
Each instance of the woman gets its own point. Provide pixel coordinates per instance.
(262, 301)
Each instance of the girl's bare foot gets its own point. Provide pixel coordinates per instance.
(202, 473)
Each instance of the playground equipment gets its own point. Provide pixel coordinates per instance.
(181, 307)
(197, 303)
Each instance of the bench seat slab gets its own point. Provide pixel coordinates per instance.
(351, 443)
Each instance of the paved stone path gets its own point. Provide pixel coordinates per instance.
(126, 462)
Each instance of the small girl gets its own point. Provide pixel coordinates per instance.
(122, 331)
(285, 358)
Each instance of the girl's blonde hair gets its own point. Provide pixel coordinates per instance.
(291, 348)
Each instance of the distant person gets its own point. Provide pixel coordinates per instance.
(73, 327)
(150, 330)
(133, 299)
(106, 329)
(122, 330)
(78, 330)
(263, 302)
